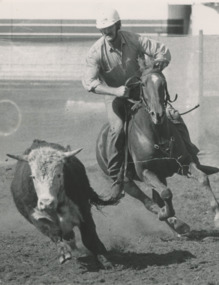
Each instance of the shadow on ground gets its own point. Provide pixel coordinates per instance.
(139, 261)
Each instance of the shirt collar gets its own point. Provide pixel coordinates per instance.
(111, 49)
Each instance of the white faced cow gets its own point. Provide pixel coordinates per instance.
(51, 190)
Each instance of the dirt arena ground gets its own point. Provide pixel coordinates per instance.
(142, 249)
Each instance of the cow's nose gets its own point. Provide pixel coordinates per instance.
(46, 204)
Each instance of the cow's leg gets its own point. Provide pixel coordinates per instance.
(203, 179)
(69, 239)
(91, 240)
(47, 226)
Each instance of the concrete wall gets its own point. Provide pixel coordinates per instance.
(64, 60)
(60, 64)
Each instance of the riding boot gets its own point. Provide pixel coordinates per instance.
(117, 191)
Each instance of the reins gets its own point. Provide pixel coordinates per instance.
(138, 103)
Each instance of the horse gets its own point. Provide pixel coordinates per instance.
(155, 150)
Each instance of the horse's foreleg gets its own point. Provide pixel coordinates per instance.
(153, 205)
(133, 190)
(203, 179)
(152, 180)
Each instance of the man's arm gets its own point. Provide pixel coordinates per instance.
(92, 82)
(103, 89)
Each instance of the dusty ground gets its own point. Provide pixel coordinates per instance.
(143, 250)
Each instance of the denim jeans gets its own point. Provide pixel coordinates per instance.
(116, 112)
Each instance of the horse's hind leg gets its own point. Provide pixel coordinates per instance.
(203, 179)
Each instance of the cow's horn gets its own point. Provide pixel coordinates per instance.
(72, 153)
(18, 157)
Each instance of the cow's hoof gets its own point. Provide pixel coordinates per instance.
(64, 258)
(65, 252)
(104, 262)
(178, 226)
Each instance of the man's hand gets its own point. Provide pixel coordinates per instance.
(122, 91)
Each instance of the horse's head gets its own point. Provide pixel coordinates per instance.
(154, 95)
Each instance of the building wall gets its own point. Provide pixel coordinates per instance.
(43, 78)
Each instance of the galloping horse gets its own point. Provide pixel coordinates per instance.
(155, 151)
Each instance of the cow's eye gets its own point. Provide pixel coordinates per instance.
(59, 175)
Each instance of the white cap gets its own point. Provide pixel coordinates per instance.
(107, 18)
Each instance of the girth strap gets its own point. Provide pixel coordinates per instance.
(167, 152)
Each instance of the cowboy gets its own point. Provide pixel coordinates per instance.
(110, 62)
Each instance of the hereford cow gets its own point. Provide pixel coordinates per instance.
(51, 190)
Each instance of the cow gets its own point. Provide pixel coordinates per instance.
(51, 190)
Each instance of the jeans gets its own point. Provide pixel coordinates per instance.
(175, 117)
(116, 112)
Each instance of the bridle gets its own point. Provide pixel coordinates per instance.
(134, 81)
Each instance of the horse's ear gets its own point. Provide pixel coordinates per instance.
(141, 63)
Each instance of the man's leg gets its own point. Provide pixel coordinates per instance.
(116, 142)
(175, 117)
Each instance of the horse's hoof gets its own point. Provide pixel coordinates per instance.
(166, 194)
(178, 225)
(162, 215)
(165, 213)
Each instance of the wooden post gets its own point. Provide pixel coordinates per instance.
(200, 85)
(200, 63)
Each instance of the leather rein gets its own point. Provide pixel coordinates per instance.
(142, 100)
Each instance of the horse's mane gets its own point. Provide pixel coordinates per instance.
(147, 69)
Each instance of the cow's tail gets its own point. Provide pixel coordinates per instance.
(97, 200)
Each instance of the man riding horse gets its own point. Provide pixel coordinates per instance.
(110, 62)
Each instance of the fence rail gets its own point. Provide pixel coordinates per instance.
(74, 28)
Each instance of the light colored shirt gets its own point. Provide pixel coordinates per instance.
(105, 65)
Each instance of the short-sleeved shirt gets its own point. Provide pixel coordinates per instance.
(106, 65)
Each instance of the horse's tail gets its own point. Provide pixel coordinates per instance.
(208, 169)
(97, 200)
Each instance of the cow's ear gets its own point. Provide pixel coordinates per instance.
(18, 157)
(72, 153)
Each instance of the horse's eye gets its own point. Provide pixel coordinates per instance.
(33, 177)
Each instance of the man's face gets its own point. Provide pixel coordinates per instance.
(110, 33)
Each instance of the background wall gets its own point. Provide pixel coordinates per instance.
(41, 80)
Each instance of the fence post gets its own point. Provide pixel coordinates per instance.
(200, 84)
